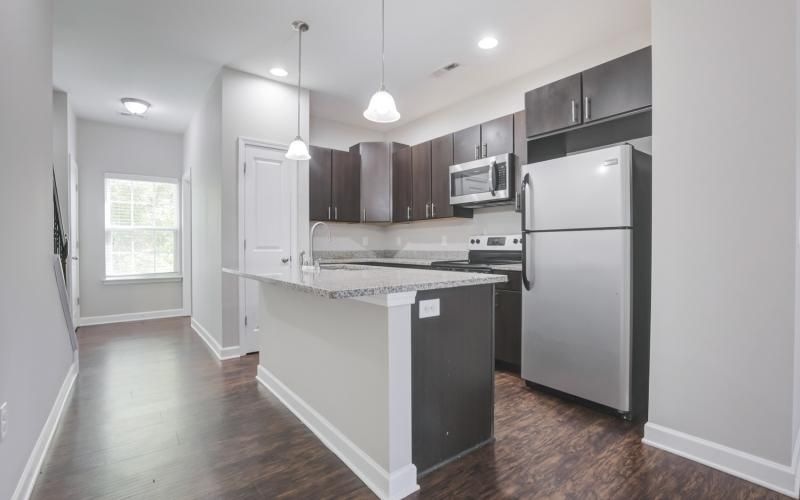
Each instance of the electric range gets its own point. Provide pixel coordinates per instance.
(486, 251)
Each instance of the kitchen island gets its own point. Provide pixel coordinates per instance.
(391, 368)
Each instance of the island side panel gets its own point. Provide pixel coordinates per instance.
(452, 375)
(336, 357)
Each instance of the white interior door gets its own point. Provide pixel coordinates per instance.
(73, 269)
(267, 226)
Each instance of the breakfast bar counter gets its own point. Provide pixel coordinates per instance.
(391, 368)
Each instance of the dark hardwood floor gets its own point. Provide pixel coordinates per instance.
(155, 415)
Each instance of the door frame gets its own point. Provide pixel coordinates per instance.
(241, 160)
(73, 215)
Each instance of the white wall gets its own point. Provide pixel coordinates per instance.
(104, 148)
(203, 163)
(35, 353)
(332, 134)
(724, 224)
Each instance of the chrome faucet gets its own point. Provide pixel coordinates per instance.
(311, 240)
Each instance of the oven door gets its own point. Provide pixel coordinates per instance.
(481, 181)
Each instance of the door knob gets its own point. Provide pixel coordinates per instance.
(284, 259)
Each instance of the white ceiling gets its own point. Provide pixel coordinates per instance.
(168, 51)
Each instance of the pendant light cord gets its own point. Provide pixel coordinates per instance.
(299, 73)
(383, 41)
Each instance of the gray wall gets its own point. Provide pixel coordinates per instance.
(35, 354)
(724, 222)
(256, 108)
(63, 147)
(105, 148)
(202, 163)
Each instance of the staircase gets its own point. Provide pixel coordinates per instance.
(60, 255)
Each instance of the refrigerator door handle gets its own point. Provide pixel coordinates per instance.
(523, 197)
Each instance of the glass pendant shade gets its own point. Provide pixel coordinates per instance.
(298, 150)
(382, 108)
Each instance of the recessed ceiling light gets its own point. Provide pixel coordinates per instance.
(487, 43)
(277, 71)
(136, 107)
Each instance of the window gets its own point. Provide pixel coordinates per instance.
(142, 227)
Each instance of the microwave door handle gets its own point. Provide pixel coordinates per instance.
(492, 176)
(523, 196)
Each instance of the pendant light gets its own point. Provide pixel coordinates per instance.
(298, 150)
(382, 108)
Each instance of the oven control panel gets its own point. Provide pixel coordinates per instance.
(495, 242)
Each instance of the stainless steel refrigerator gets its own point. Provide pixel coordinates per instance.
(578, 274)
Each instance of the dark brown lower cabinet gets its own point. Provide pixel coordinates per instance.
(452, 375)
(508, 328)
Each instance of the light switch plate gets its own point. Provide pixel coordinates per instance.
(428, 308)
(3, 420)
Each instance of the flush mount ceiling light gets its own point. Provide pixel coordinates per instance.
(487, 43)
(136, 107)
(277, 71)
(298, 150)
(382, 108)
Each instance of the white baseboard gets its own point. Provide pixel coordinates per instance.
(36, 458)
(395, 486)
(124, 318)
(775, 476)
(222, 353)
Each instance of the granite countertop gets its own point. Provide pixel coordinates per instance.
(341, 281)
(411, 262)
(507, 267)
(381, 260)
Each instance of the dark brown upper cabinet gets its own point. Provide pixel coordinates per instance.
(619, 86)
(376, 179)
(441, 159)
(466, 144)
(320, 206)
(497, 136)
(491, 138)
(346, 182)
(421, 180)
(401, 185)
(554, 106)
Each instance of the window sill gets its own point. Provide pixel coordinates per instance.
(130, 280)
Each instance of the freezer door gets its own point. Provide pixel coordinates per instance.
(576, 317)
(581, 191)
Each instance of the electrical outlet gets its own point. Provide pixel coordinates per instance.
(3, 420)
(428, 308)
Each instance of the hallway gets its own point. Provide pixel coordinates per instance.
(155, 415)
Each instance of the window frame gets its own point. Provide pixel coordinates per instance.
(154, 277)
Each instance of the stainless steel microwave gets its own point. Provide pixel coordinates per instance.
(487, 181)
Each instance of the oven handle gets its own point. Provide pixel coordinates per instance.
(523, 198)
(493, 176)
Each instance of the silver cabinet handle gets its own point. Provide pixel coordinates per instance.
(427, 211)
(284, 259)
(408, 213)
(485, 151)
(587, 107)
(477, 151)
(336, 213)
(574, 107)
(74, 258)
(433, 210)
(329, 212)
(365, 214)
